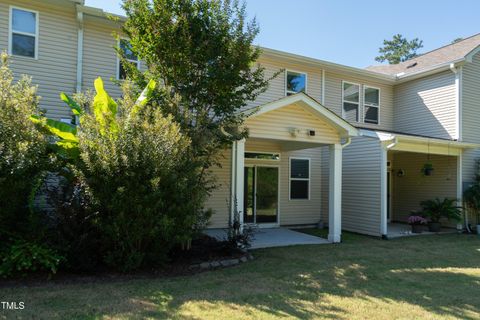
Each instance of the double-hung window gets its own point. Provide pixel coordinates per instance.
(299, 179)
(295, 82)
(371, 104)
(351, 101)
(23, 37)
(126, 48)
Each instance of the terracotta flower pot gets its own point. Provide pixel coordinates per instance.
(434, 227)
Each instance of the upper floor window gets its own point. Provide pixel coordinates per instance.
(129, 55)
(295, 82)
(371, 104)
(23, 33)
(351, 101)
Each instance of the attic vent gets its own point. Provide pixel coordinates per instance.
(411, 65)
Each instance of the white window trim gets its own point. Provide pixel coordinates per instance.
(137, 62)
(11, 31)
(358, 103)
(290, 179)
(365, 104)
(298, 72)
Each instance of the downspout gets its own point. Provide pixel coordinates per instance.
(79, 50)
(323, 87)
(346, 143)
(458, 71)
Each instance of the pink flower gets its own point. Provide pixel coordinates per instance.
(417, 220)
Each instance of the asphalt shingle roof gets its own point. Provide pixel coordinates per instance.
(445, 54)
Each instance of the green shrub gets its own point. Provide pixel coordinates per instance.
(23, 257)
(136, 165)
(74, 230)
(23, 153)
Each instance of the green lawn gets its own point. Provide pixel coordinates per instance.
(429, 277)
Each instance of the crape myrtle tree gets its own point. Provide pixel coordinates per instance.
(202, 52)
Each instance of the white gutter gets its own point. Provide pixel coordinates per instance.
(79, 50)
(331, 65)
(347, 143)
(100, 13)
(428, 71)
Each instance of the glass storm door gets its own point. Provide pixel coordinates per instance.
(261, 195)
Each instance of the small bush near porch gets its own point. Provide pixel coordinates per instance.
(430, 277)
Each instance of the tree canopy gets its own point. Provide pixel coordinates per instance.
(398, 49)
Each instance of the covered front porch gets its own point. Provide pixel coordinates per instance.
(275, 173)
(418, 169)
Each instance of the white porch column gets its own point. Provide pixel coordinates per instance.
(460, 179)
(383, 193)
(239, 176)
(335, 194)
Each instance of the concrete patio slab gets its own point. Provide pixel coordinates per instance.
(397, 230)
(274, 237)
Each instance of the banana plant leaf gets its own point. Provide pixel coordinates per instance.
(76, 109)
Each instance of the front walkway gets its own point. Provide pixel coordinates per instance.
(274, 237)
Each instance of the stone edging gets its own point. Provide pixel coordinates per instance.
(221, 263)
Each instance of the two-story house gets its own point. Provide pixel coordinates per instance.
(326, 141)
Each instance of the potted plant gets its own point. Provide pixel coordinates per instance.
(427, 169)
(438, 209)
(417, 223)
(471, 198)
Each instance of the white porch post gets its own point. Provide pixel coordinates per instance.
(383, 193)
(460, 179)
(335, 194)
(239, 177)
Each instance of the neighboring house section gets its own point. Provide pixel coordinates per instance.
(427, 106)
(470, 117)
(49, 30)
(54, 31)
(327, 142)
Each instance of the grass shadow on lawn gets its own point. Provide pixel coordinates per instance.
(416, 277)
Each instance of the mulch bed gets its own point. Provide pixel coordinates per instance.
(205, 253)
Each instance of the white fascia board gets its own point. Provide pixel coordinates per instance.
(328, 65)
(429, 71)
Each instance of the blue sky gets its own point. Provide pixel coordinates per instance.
(350, 32)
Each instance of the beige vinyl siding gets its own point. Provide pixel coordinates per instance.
(99, 55)
(55, 69)
(471, 115)
(292, 212)
(409, 190)
(427, 106)
(276, 89)
(219, 200)
(277, 124)
(361, 186)
(301, 212)
(333, 98)
(333, 88)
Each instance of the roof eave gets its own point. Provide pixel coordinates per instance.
(97, 12)
(329, 65)
(429, 71)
